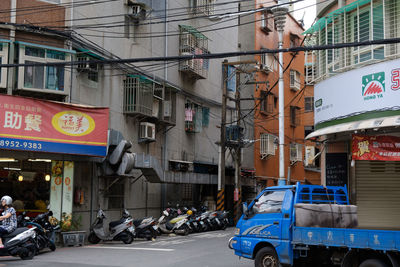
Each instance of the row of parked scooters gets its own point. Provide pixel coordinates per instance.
(172, 220)
(31, 236)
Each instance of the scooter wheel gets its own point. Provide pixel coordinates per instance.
(128, 239)
(92, 238)
(27, 253)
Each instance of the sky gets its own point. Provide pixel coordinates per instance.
(307, 6)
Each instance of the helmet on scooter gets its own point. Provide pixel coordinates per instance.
(189, 212)
(7, 199)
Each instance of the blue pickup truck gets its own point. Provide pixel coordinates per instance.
(272, 233)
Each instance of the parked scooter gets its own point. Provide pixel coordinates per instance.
(20, 242)
(145, 228)
(45, 231)
(121, 230)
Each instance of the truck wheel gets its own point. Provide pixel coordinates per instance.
(266, 257)
(373, 263)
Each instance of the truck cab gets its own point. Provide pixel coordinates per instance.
(265, 224)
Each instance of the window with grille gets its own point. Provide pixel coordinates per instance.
(199, 7)
(138, 96)
(196, 117)
(267, 145)
(359, 21)
(294, 80)
(192, 42)
(309, 104)
(296, 153)
(294, 116)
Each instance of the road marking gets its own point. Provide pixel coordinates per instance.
(134, 248)
(172, 242)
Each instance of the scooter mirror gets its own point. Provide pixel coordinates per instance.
(50, 213)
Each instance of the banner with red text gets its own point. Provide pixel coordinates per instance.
(48, 126)
(385, 148)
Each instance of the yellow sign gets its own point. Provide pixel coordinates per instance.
(73, 123)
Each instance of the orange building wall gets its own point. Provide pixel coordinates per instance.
(5, 5)
(269, 123)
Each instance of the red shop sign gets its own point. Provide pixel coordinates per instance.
(385, 148)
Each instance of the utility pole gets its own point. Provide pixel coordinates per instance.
(280, 19)
(238, 159)
(222, 147)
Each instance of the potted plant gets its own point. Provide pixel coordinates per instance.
(69, 226)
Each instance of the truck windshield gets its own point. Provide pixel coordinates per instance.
(269, 202)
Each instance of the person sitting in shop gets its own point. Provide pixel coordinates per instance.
(8, 217)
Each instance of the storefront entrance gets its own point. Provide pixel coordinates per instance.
(27, 181)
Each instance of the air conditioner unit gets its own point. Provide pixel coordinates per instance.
(86, 66)
(266, 68)
(138, 11)
(309, 156)
(267, 145)
(295, 153)
(147, 131)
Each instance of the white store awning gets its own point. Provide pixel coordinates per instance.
(375, 123)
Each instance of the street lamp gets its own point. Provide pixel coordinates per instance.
(280, 13)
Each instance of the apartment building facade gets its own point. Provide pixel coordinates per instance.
(159, 122)
(265, 131)
(356, 103)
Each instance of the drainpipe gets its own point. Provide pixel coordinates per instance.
(11, 73)
(280, 14)
(163, 185)
(72, 57)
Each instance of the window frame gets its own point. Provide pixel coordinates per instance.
(4, 60)
(308, 103)
(294, 117)
(21, 71)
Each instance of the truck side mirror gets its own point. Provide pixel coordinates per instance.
(245, 208)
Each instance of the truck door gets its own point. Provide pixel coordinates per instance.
(264, 217)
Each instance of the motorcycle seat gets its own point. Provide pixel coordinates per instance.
(115, 223)
(15, 232)
(137, 222)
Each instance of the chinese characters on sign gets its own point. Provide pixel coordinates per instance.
(385, 148)
(47, 126)
(14, 121)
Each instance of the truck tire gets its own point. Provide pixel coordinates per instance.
(266, 257)
(373, 263)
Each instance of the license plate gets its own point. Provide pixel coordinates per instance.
(131, 229)
(154, 227)
(195, 223)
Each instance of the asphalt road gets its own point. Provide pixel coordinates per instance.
(196, 250)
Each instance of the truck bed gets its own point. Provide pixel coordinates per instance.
(347, 237)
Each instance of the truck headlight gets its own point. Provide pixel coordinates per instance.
(237, 231)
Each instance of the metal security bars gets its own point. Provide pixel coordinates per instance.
(192, 42)
(267, 145)
(206, 7)
(138, 96)
(359, 21)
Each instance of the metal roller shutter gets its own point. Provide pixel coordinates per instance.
(378, 194)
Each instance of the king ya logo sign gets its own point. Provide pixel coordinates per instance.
(373, 86)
